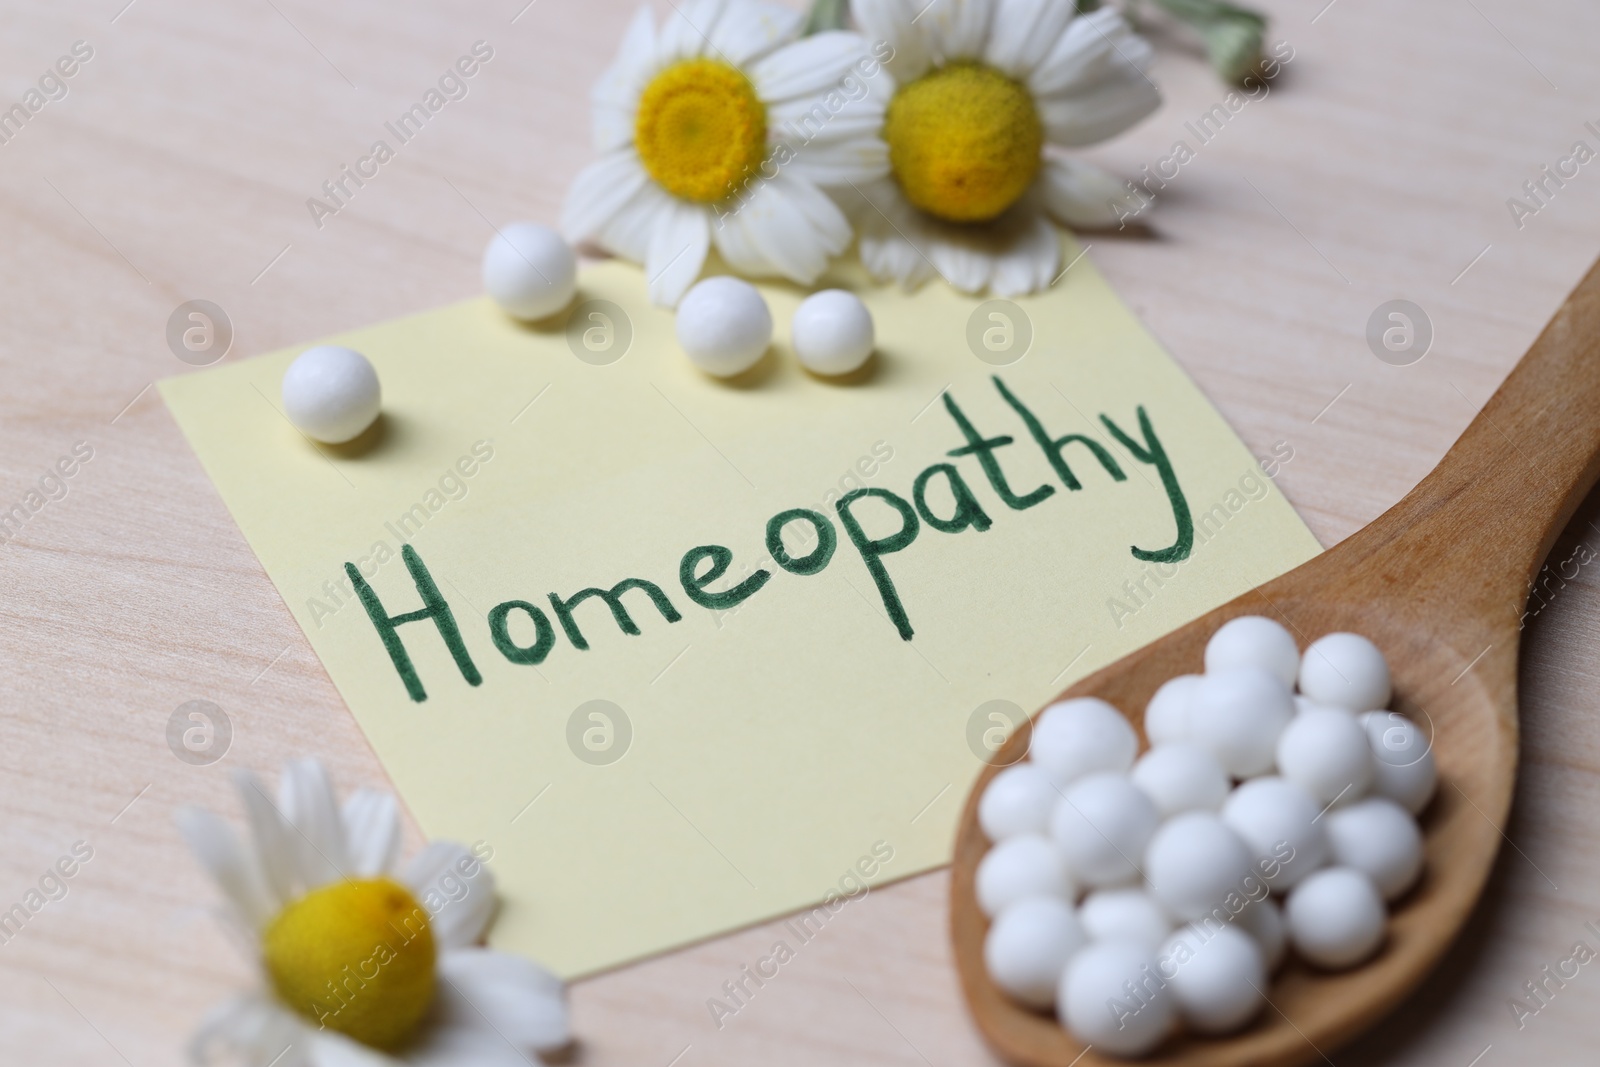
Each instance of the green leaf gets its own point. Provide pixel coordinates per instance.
(826, 15)
(1233, 35)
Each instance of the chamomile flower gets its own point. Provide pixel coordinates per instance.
(989, 92)
(364, 963)
(726, 128)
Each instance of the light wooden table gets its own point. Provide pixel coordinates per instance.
(178, 166)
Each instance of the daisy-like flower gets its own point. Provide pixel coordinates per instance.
(726, 127)
(989, 92)
(363, 964)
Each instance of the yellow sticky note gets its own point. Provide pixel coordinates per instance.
(648, 770)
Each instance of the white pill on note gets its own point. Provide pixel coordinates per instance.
(832, 332)
(529, 270)
(331, 393)
(724, 325)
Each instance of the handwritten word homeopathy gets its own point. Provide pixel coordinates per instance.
(695, 576)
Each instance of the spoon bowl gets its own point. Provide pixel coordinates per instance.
(1439, 582)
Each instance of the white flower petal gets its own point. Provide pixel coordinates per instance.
(1098, 114)
(306, 797)
(687, 32)
(515, 997)
(467, 1046)
(889, 22)
(966, 268)
(1082, 195)
(812, 66)
(456, 889)
(795, 227)
(959, 28)
(677, 252)
(233, 867)
(1095, 47)
(748, 31)
(629, 232)
(615, 96)
(892, 235)
(734, 245)
(840, 163)
(329, 1048)
(599, 192)
(274, 853)
(1031, 263)
(371, 832)
(251, 1027)
(1024, 32)
(809, 119)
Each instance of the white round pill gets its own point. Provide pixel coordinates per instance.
(1195, 862)
(1077, 737)
(529, 270)
(1113, 997)
(1028, 947)
(1325, 752)
(1254, 641)
(1104, 823)
(1379, 838)
(1335, 918)
(832, 332)
(1280, 824)
(1166, 717)
(1403, 769)
(1218, 976)
(1181, 777)
(1018, 800)
(1128, 914)
(1263, 920)
(1237, 715)
(331, 394)
(1347, 671)
(1024, 866)
(724, 325)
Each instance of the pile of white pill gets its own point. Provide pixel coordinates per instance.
(1131, 892)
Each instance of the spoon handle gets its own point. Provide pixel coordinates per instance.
(1469, 538)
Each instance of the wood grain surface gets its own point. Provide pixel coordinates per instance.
(177, 167)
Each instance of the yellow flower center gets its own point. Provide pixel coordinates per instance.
(700, 129)
(964, 141)
(356, 957)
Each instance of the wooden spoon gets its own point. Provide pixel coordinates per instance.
(1439, 582)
